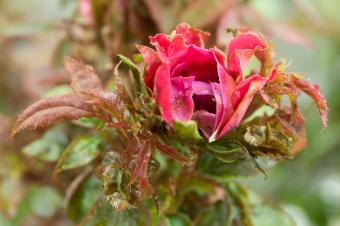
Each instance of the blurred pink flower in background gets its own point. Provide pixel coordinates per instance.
(85, 10)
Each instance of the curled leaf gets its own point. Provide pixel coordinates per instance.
(315, 93)
(135, 72)
(45, 112)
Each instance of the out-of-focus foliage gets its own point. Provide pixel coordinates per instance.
(33, 46)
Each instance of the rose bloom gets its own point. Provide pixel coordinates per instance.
(191, 82)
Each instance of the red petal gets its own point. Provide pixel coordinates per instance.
(169, 49)
(162, 91)
(191, 35)
(244, 93)
(151, 58)
(196, 62)
(240, 50)
(223, 94)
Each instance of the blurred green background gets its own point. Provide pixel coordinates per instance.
(304, 32)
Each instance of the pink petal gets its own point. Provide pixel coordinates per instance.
(196, 62)
(202, 88)
(167, 48)
(219, 103)
(182, 104)
(244, 94)
(151, 58)
(191, 35)
(162, 91)
(223, 94)
(240, 50)
(205, 121)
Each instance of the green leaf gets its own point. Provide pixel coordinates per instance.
(135, 72)
(80, 152)
(187, 130)
(178, 219)
(213, 167)
(228, 152)
(50, 146)
(84, 198)
(103, 215)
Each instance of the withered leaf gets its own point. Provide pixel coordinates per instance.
(83, 77)
(172, 153)
(45, 112)
(315, 93)
(136, 159)
(268, 141)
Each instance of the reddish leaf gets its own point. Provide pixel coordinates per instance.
(136, 158)
(47, 111)
(172, 153)
(83, 77)
(315, 93)
(107, 101)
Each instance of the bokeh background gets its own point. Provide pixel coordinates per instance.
(35, 35)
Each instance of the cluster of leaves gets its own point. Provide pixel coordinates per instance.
(145, 168)
(170, 174)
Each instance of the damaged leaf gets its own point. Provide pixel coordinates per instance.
(315, 93)
(47, 111)
(83, 77)
(80, 152)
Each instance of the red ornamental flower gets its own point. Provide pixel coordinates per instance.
(191, 82)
